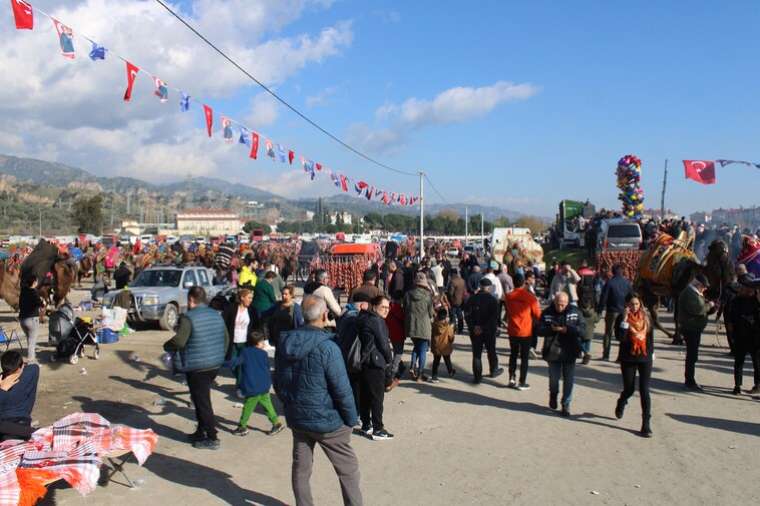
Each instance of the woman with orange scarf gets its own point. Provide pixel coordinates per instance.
(635, 333)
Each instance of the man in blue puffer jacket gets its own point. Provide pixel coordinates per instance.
(312, 384)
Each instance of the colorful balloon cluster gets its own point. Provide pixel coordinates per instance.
(628, 182)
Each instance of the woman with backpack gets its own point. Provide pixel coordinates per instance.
(376, 359)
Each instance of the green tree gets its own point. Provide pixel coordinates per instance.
(87, 213)
(250, 226)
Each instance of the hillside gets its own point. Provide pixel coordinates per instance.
(34, 191)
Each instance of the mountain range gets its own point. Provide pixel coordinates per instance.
(210, 191)
(40, 172)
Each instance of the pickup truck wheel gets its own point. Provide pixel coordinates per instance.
(169, 320)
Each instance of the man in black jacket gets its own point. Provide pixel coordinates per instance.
(377, 356)
(612, 301)
(482, 311)
(563, 324)
(347, 331)
(744, 317)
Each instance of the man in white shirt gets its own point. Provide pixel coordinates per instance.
(496, 288)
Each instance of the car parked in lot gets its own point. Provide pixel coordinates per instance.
(159, 294)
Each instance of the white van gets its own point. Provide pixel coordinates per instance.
(618, 233)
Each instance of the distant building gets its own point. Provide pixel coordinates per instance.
(744, 217)
(202, 221)
(700, 217)
(341, 217)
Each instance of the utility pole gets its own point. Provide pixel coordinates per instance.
(466, 226)
(40, 222)
(482, 233)
(422, 216)
(664, 184)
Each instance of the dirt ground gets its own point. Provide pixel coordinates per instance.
(455, 443)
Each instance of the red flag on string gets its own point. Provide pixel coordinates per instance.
(254, 145)
(209, 114)
(344, 183)
(701, 171)
(291, 155)
(132, 71)
(23, 15)
(319, 166)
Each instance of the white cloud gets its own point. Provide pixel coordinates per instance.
(321, 98)
(458, 104)
(55, 109)
(388, 16)
(264, 110)
(455, 105)
(289, 184)
(381, 140)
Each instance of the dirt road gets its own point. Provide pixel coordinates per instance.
(455, 443)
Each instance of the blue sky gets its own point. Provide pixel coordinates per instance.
(590, 82)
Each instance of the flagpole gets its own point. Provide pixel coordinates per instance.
(664, 185)
(422, 216)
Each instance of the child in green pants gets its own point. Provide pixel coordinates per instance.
(255, 383)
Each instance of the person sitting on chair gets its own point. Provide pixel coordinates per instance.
(18, 391)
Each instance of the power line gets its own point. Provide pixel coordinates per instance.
(430, 182)
(280, 99)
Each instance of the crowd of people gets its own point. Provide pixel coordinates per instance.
(334, 363)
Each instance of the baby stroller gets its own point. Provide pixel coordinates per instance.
(71, 346)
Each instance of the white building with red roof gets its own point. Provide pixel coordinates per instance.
(208, 221)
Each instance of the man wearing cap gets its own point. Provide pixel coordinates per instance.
(692, 320)
(482, 311)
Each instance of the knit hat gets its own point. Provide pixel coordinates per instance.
(421, 280)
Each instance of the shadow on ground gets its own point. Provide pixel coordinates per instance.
(735, 426)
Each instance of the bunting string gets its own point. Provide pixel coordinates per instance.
(23, 13)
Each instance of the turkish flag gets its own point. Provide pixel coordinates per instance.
(291, 155)
(209, 114)
(701, 171)
(23, 14)
(132, 71)
(254, 145)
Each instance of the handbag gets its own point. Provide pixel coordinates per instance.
(552, 350)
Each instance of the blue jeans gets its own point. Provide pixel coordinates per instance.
(567, 371)
(586, 346)
(419, 354)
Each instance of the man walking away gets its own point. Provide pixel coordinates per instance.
(201, 342)
(456, 292)
(348, 332)
(744, 316)
(692, 320)
(482, 311)
(612, 302)
(312, 384)
(522, 309)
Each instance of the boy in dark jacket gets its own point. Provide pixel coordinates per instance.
(255, 383)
